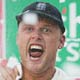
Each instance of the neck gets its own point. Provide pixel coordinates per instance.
(47, 75)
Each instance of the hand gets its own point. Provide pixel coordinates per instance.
(7, 73)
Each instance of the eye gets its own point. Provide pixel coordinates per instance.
(29, 29)
(46, 30)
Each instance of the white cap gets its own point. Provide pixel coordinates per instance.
(30, 18)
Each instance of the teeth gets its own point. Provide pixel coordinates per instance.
(36, 47)
(35, 51)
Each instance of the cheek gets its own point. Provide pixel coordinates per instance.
(22, 42)
(51, 47)
(52, 43)
(22, 39)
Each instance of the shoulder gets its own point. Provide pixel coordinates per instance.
(60, 75)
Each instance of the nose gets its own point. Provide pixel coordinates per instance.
(36, 36)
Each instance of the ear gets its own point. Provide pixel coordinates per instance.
(62, 41)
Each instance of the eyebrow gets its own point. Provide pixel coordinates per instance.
(27, 24)
(51, 25)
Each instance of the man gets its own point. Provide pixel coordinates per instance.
(40, 35)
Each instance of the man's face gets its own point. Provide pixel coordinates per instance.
(38, 45)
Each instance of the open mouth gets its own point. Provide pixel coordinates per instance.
(35, 51)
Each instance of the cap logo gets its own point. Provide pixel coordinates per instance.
(41, 6)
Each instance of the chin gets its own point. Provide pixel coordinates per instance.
(36, 69)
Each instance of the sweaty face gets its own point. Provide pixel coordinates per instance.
(38, 45)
